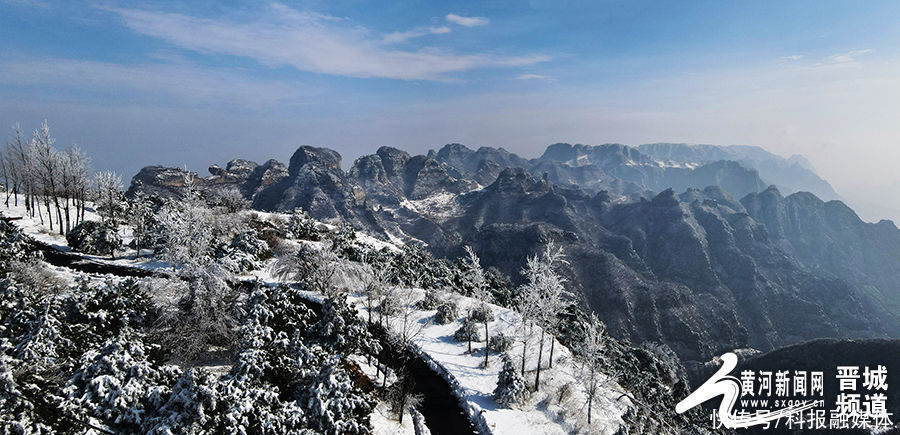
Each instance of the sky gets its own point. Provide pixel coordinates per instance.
(201, 82)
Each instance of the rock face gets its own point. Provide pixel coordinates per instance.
(699, 271)
(160, 180)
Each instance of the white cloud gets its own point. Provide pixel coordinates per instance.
(467, 21)
(310, 42)
(534, 77)
(395, 37)
(847, 57)
(791, 58)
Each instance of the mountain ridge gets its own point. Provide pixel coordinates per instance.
(699, 271)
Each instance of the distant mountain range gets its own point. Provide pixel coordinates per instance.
(702, 248)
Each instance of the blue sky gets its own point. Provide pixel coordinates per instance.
(194, 83)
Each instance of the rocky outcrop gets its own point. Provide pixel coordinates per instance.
(160, 180)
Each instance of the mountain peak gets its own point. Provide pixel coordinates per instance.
(307, 154)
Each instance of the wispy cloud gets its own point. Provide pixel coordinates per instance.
(791, 58)
(467, 21)
(535, 77)
(415, 33)
(847, 57)
(311, 42)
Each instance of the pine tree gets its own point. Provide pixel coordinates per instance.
(511, 389)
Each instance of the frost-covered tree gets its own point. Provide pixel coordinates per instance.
(231, 199)
(377, 280)
(592, 354)
(96, 238)
(142, 209)
(404, 326)
(446, 312)
(543, 296)
(511, 389)
(301, 226)
(500, 343)
(22, 168)
(340, 329)
(468, 332)
(72, 184)
(47, 169)
(481, 294)
(116, 384)
(312, 268)
(14, 246)
(110, 199)
(187, 224)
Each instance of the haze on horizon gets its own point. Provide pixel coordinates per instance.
(196, 83)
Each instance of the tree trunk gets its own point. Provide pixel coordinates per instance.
(537, 378)
(487, 343)
(67, 215)
(58, 213)
(590, 403)
(49, 213)
(552, 345)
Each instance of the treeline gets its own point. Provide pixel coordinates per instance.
(34, 171)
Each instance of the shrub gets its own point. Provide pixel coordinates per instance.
(92, 237)
(500, 342)
(14, 245)
(432, 300)
(446, 313)
(482, 313)
(467, 332)
(301, 226)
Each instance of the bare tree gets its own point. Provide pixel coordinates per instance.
(19, 154)
(592, 354)
(482, 295)
(406, 327)
(110, 198)
(544, 290)
(48, 164)
(74, 184)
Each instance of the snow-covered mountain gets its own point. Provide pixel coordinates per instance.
(719, 262)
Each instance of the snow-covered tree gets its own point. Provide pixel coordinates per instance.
(187, 225)
(468, 332)
(73, 184)
(482, 295)
(14, 246)
(312, 268)
(110, 199)
(511, 389)
(301, 226)
(543, 296)
(96, 238)
(20, 159)
(231, 199)
(142, 209)
(500, 342)
(47, 168)
(446, 312)
(592, 354)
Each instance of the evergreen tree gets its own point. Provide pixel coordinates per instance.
(511, 389)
